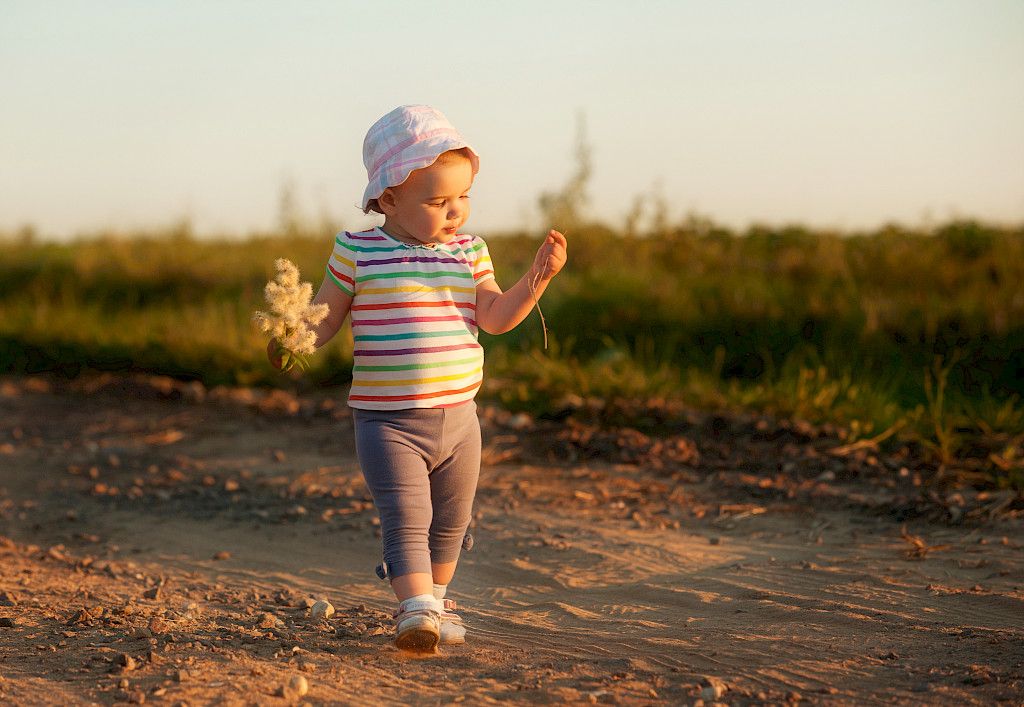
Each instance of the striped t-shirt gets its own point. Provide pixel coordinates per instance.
(413, 318)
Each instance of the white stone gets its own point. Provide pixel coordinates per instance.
(298, 685)
(321, 610)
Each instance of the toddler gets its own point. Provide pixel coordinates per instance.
(418, 289)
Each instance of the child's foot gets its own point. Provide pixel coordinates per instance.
(418, 624)
(453, 632)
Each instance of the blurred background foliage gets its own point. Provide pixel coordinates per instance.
(920, 329)
(912, 335)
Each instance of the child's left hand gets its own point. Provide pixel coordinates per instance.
(551, 256)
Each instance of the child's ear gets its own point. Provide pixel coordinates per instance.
(386, 202)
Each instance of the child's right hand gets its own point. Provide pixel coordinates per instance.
(273, 356)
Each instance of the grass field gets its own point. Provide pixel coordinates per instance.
(921, 332)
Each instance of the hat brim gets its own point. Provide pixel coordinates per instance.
(395, 173)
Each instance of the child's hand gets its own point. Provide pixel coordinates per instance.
(273, 356)
(551, 256)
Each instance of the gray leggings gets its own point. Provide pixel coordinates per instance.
(422, 467)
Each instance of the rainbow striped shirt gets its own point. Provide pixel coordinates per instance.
(413, 318)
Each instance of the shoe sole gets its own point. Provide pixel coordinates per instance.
(420, 639)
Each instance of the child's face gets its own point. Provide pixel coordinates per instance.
(431, 205)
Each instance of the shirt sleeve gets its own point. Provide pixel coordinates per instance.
(480, 259)
(341, 266)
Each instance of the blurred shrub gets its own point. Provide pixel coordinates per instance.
(815, 324)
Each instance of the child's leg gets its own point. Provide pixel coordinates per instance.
(394, 449)
(443, 571)
(452, 489)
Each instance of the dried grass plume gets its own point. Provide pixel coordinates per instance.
(291, 315)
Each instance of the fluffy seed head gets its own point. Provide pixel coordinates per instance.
(291, 312)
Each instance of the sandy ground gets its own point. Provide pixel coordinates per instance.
(162, 543)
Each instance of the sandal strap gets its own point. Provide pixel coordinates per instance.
(411, 607)
(429, 613)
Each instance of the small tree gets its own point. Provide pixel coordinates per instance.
(563, 209)
(290, 221)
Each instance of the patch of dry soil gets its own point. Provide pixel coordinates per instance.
(166, 549)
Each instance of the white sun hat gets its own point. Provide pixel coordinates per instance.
(406, 139)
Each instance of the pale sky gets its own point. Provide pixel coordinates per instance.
(829, 113)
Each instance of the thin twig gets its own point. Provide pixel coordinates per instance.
(871, 444)
(919, 549)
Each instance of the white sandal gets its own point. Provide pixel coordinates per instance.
(418, 625)
(453, 631)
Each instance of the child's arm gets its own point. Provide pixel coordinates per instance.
(338, 303)
(497, 311)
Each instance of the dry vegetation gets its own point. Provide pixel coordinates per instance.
(898, 337)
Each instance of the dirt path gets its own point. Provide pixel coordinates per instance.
(160, 546)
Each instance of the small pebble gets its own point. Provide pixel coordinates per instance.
(222, 555)
(520, 421)
(321, 610)
(268, 620)
(712, 688)
(298, 685)
(7, 622)
(158, 625)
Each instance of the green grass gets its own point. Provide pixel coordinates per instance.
(921, 331)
